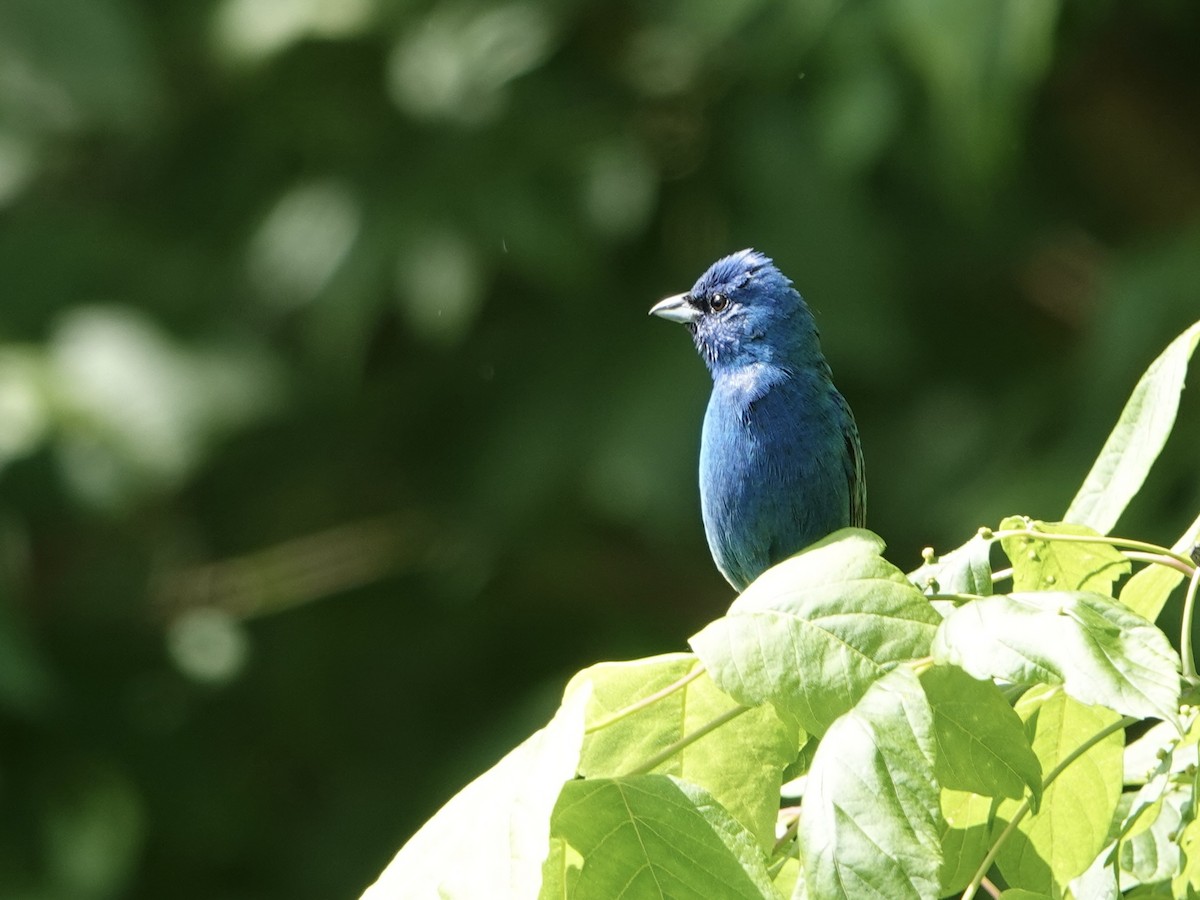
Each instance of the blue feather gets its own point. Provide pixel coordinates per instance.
(780, 460)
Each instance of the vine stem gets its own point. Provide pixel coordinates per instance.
(690, 738)
(1023, 809)
(647, 701)
(1185, 628)
(1157, 558)
(1124, 543)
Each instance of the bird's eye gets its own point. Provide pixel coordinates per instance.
(718, 302)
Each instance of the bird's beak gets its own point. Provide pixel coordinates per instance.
(678, 308)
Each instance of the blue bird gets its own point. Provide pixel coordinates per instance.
(780, 461)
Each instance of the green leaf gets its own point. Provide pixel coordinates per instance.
(811, 634)
(871, 824)
(1041, 565)
(981, 743)
(1022, 894)
(1187, 880)
(1137, 439)
(790, 880)
(1151, 854)
(966, 837)
(1144, 756)
(1143, 849)
(504, 817)
(1147, 591)
(1091, 644)
(1098, 881)
(1057, 843)
(965, 570)
(651, 836)
(740, 764)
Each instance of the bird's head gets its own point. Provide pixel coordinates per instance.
(743, 310)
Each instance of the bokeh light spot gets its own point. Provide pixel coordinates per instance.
(440, 283)
(208, 645)
(252, 30)
(303, 240)
(456, 63)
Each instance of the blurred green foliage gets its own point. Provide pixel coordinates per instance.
(327, 396)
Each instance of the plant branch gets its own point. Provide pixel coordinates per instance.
(788, 838)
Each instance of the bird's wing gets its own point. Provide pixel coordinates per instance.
(856, 477)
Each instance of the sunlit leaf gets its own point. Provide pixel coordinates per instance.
(1187, 880)
(651, 836)
(1091, 644)
(505, 812)
(1152, 854)
(1147, 591)
(871, 823)
(1044, 565)
(965, 570)
(966, 837)
(812, 634)
(740, 764)
(1137, 439)
(981, 744)
(1052, 846)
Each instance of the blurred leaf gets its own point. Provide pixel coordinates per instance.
(249, 30)
(24, 411)
(75, 64)
(27, 682)
(457, 62)
(871, 822)
(302, 241)
(811, 634)
(980, 61)
(94, 829)
(135, 411)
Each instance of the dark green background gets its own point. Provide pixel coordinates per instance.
(333, 433)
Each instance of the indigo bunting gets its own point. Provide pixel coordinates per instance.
(780, 461)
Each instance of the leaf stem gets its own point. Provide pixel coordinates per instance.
(647, 701)
(690, 738)
(1185, 628)
(1023, 809)
(920, 666)
(786, 842)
